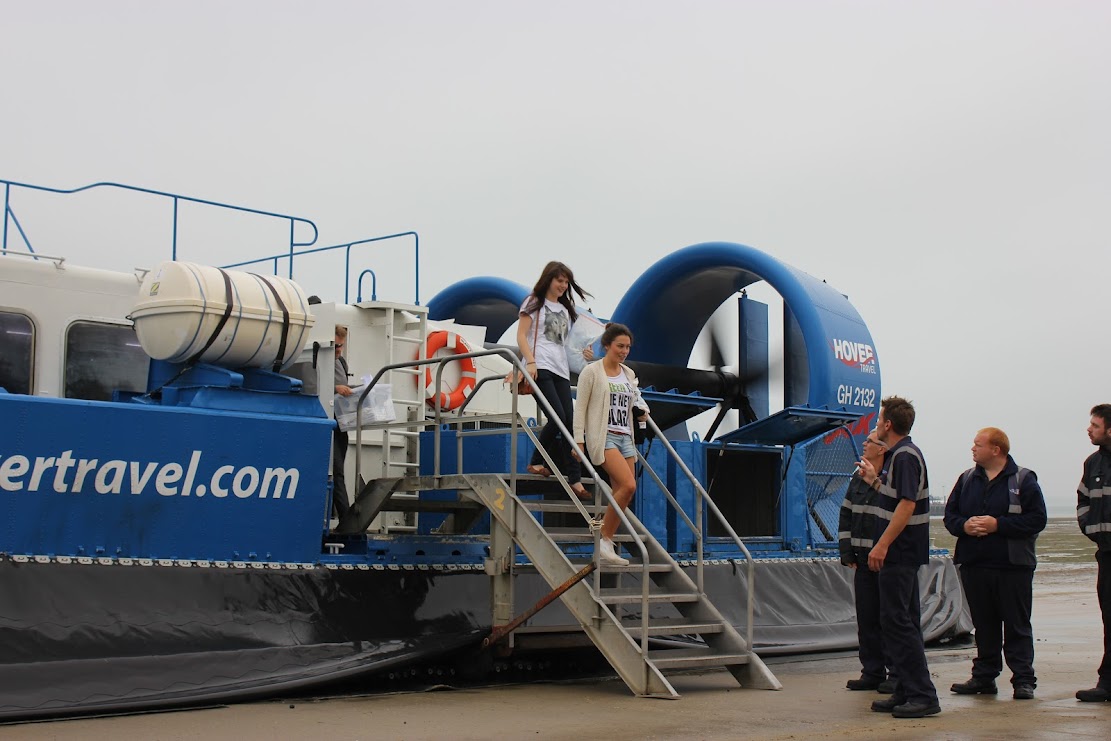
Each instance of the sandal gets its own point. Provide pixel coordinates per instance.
(538, 469)
(580, 491)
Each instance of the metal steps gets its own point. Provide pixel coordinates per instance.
(598, 607)
(672, 627)
(696, 658)
(581, 535)
(560, 507)
(617, 607)
(633, 596)
(632, 568)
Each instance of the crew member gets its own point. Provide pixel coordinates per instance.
(855, 529)
(996, 510)
(901, 549)
(1093, 512)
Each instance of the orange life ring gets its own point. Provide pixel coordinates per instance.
(454, 399)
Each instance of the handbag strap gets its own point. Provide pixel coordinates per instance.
(535, 334)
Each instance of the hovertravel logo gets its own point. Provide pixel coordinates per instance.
(64, 474)
(855, 355)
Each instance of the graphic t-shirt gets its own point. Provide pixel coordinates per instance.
(622, 393)
(550, 327)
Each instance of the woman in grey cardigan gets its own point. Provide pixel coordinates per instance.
(607, 393)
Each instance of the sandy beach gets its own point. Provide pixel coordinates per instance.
(812, 704)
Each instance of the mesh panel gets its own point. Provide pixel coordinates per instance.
(830, 463)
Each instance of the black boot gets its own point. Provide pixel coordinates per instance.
(976, 686)
(887, 704)
(864, 683)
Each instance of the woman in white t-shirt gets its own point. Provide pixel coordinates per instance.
(608, 392)
(546, 318)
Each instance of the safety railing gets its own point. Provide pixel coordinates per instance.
(603, 493)
(829, 466)
(347, 247)
(175, 198)
(702, 499)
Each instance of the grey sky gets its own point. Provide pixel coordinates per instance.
(945, 164)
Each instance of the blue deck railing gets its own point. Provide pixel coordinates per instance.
(347, 264)
(9, 214)
(306, 247)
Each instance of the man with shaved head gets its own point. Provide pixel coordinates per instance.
(996, 510)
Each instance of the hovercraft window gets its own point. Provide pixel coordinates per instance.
(102, 358)
(17, 357)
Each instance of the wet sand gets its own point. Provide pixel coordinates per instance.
(813, 703)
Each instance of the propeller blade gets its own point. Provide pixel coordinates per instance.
(717, 357)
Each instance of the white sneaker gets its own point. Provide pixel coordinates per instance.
(607, 556)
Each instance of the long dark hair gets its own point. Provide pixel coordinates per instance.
(552, 271)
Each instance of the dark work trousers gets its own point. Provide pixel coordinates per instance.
(901, 617)
(1000, 602)
(340, 503)
(1103, 589)
(869, 634)
(557, 390)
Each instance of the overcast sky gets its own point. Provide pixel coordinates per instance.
(945, 164)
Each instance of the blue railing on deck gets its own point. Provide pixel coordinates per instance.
(347, 263)
(10, 218)
(9, 214)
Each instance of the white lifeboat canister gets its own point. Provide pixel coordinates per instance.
(189, 313)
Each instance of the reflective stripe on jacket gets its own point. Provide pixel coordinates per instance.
(1093, 511)
(857, 522)
(904, 477)
(1014, 498)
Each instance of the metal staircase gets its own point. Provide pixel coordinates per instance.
(622, 609)
(600, 608)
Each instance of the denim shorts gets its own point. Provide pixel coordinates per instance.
(623, 444)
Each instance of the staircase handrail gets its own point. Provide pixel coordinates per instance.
(600, 485)
(704, 497)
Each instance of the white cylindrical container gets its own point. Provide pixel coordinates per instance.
(196, 313)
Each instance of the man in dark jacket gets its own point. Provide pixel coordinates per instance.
(856, 527)
(996, 510)
(902, 547)
(1093, 513)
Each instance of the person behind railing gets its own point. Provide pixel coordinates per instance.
(340, 504)
(546, 317)
(608, 392)
(306, 372)
(309, 385)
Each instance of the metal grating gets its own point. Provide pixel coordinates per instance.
(830, 463)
